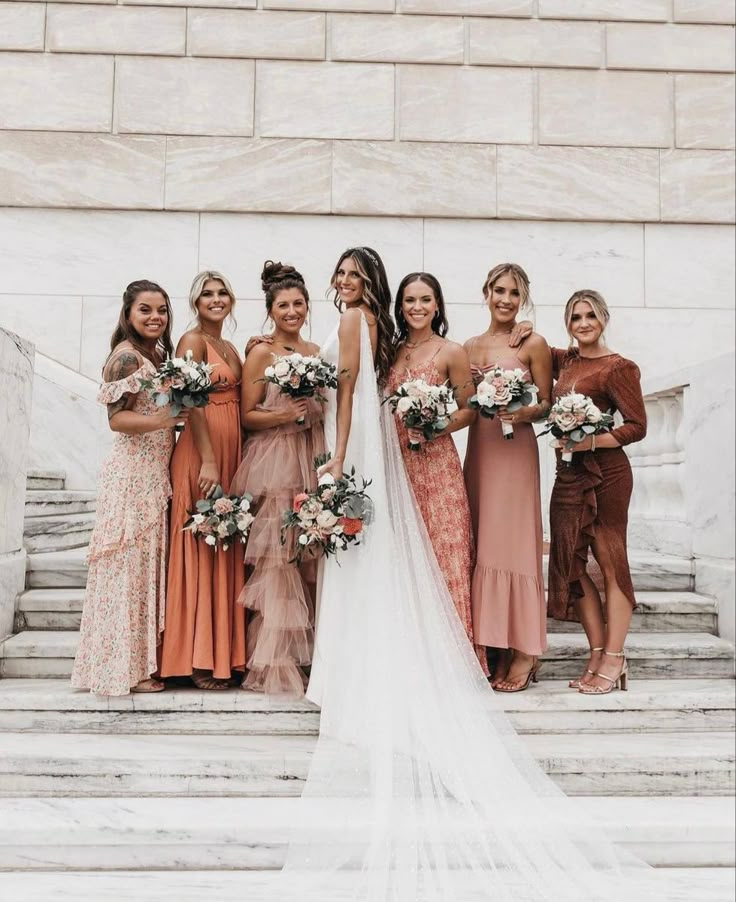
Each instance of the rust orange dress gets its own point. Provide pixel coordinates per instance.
(436, 477)
(205, 629)
(590, 498)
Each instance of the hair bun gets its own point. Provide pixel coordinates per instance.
(273, 273)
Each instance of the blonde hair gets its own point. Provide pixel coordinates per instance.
(597, 304)
(522, 283)
(195, 292)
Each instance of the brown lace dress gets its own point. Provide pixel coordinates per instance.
(590, 498)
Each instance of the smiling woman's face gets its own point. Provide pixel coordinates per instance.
(585, 327)
(504, 299)
(149, 315)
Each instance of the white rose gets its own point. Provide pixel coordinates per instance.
(326, 479)
(243, 523)
(301, 369)
(594, 414)
(311, 376)
(281, 368)
(485, 391)
(405, 405)
(303, 540)
(222, 530)
(210, 540)
(269, 372)
(198, 518)
(326, 519)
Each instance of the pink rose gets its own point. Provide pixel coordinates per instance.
(295, 380)
(566, 421)
(298, 501)
(223, 506)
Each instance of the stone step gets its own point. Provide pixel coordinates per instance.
(40, 502)
(60, 609)
(220, 833)
(45, 654)
(666, 611)
(52, 706)
(45, 479)
(692, 885)
(67, 764)
(57, 532)
(57, 569)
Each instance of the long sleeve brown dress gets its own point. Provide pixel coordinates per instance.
(590, 498)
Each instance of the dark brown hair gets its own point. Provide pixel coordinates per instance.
(377, 296)
(277, 277)
(125, 332)
(440, 326)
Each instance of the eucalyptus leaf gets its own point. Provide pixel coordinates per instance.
(577, 435)
(202, 505)
(588, 428)
(161, 400)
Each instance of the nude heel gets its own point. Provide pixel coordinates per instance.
(620, 682)
(576, 684)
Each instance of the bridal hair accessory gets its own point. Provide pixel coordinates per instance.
(370, 255)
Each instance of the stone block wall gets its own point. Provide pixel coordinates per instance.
(591, 141)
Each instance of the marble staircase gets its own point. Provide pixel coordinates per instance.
(100, 798)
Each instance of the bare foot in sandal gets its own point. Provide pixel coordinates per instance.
(150, 685)
(203, 679)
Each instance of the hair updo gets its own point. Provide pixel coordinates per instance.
(277, 277)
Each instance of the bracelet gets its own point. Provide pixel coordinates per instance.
(592, 442)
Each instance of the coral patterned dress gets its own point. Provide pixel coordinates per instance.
(436, 477)
(278, 463)
(123, 614)
(205, 629)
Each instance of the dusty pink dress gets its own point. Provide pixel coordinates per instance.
(502, 478)
(436, 469)
(123, 614)
(277, 464)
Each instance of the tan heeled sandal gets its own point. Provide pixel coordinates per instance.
(524, 680)
(576, 684)
(620, 682)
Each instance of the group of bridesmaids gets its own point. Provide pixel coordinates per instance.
(162, 604)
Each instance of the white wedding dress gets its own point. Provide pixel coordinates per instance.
(419, 789)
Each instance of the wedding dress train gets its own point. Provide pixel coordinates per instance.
(419, 789)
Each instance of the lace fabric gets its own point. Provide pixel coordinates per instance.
(419, 789)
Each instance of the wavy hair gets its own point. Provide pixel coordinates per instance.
(597, 304)
(200, 280)
(440, 326)
(124, 331)
(377, 296)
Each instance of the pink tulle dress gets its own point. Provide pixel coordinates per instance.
(277, 464)
(502, 478)
(123, 614)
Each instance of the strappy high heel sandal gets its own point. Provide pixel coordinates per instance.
(529, 677)
(620, 682)
(576, 684)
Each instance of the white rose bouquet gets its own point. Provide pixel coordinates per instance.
(301, 377)
(422, 406)
(571, 418)
(221, 519)
(180, 382)
(502, 388)
(331, 517)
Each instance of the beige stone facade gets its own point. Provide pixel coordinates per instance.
(591, 141)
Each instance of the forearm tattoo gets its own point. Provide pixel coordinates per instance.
(120, 368)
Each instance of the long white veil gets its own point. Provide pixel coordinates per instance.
(419, 789)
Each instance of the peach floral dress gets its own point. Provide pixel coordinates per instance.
(123, 615)
(436, 478)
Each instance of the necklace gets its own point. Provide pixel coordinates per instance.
(219, 343)
(504, 332)
(412, 346)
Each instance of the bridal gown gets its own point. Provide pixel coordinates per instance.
(419, 789)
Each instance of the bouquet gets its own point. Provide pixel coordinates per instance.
(501, 388)
(331, 517)
(299, 376)
(221, 519)
(571, 418)
(422, 406)
(180, 382)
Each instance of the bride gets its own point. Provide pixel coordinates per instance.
(419, 789)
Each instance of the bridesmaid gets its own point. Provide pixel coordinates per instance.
(423, 352)
(590, 499)
(278, 463)
(502, 478)
(205, 629)
(124, 603)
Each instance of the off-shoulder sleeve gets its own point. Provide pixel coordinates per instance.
(624, 387)
(559, 355)
(110, 392)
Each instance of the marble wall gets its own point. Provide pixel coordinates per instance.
(16, 380)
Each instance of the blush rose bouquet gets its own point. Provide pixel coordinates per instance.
(329, 518)
(500, 388)
(571, 418)
(301, 376)
(420, 405)
(180, 382)
(221, 519)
